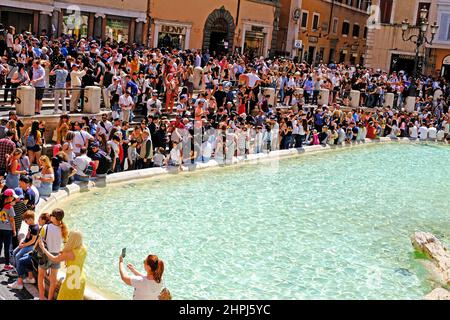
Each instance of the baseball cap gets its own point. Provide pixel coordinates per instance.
(10, 193)
(155, 93)
(183, 96)
(95, 144)
(19, 192)
(75, 65)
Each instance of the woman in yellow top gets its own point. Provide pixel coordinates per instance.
(74, 254)
(62, 129)
(134, 64)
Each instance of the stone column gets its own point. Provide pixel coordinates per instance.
(138, 32)
(25, 100)
(271, 93)
(92, 97)
(355, 96)
(132, 30)
(388, 100)
(98, 25)
(44, 21)
(410, 104)
(55, 23)
(324, 95)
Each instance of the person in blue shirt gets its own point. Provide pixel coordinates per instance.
(131, 87)
(63, 50)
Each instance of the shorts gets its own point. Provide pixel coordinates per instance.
(50, 264)
(35, 148)
(39, 93)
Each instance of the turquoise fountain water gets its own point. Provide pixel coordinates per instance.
(333, 225)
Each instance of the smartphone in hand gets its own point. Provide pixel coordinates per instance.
(124, 252)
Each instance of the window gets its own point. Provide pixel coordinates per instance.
(315, 22)
(359, 4)
(356, 30)
(335, 25)
(385, 11)
(304, 19)
(422, 5)
(75, 24)
(365, 33)
(444, 27)
(345, 28)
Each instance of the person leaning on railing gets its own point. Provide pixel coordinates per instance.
(19, 78)
(60, 83)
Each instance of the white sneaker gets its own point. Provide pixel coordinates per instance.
(15, 285)
(29, 281)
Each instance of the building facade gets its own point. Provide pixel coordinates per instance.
(119, 20)
(386, 48)
(327, 30)
(217, 25)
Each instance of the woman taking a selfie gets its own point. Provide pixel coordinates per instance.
(147, 286)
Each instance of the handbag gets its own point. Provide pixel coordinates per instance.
(38, 257)
(165, 293)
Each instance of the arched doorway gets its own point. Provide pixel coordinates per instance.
(218, 34)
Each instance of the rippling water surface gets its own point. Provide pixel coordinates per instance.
(335, 225)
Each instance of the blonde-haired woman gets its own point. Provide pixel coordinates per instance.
(54, 234)
(73, 254)
(46, 176)
(146, 286)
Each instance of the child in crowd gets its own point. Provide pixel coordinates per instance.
(159, 158)
(132, 155)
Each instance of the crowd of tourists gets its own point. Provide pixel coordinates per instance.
(231, 114)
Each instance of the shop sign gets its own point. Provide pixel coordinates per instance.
(173, 29)
(446, 60)
(405, 57)
(117, 24)
(313, 39)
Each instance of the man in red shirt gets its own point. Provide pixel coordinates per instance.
(177, 123)
(7, 146)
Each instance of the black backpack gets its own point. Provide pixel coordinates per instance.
(108, 162)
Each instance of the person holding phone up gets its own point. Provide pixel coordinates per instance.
(147, 286)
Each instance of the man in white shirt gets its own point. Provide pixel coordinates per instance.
(75, 82)
(81, 163)
(153, 104)
(81, 139)
(432, 132)
(252, 78)
(413, 132)
(423, 132)
(105, 125)
(126, 103)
